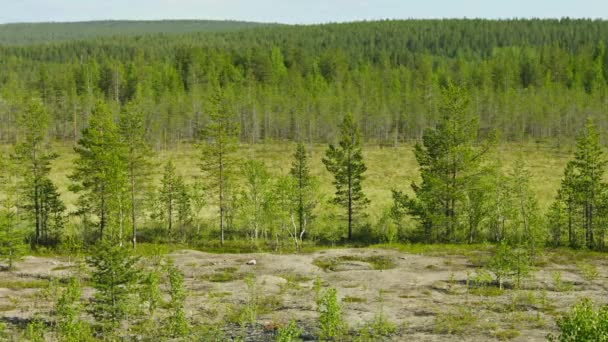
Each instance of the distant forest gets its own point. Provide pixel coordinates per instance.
(528, 79)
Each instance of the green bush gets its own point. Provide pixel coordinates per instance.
(583, 324)
(289, 333)
(331, 322)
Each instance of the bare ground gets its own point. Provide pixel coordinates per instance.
(426, 297)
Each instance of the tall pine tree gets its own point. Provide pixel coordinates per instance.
(304, 184)
(448, 158)
(99, 176)
(345, 162)
(137, 160)
(220, 138)
(33, 156)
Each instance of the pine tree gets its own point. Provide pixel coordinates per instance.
(114, 276)
(590, 165)
(137, 160)
(70, 327)
(345, 162)
(531, 233)
(177, 324)
(174, 198)
(304, 183)
(584, 193)
(33, 156)
(220, 137)
(12, 246)
(448, 158)
(99, 176)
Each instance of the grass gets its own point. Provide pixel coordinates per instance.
(388, 168)
(223, 275)
(349, 299)
(24, 284)
(456, 322)
(377, 262)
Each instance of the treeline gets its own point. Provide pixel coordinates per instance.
(529, 79)
(464, 195)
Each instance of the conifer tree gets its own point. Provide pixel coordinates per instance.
(345, 162)
(174, 198)
(448, 157)
(33, 156)
(70, 327)
(177, 324)
(12, 246)
(137, 160)
(114, 276)
(584, 193)
(220, 137)
(304, 184)
(99, 176)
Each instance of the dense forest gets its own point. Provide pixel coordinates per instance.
(530, 79)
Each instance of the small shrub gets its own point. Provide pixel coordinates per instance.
(558, 284)
(35, 330)
(290, 332)
(331, 323)
(588, 271)
(583, 323)
(456, 323)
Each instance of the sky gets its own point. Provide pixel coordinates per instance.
(294, 11)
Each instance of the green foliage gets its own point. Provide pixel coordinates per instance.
(256, 200)
(12, 247)
(305, 185)
(33, 156)
(177, 324)
(458, 322)
(581, 208)
(331, 323)
(150, 292)
(588, 271)
(114, 276)
(509, 262)
(35, 330)
(449, 161)
(583, 323)
(70, 328)
(220, 137)
(345, 162)
(174, 200)
(289, 333)
(132, 130)
(99, 176)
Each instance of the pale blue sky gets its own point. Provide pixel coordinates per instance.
(294, 11)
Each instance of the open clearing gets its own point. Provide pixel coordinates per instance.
(429, 296)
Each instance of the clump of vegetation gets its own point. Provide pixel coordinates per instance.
(509, 262)
(380, 327)
(457, 322)
(289, 333)
(70, 327)
(588, 271)
(114, 276)
(331, 323)
(558, 284)
(177, 325)
(583, 323)
(349, 299)
(377, 262)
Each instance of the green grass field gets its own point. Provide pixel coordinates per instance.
(388, 168)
